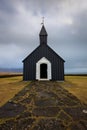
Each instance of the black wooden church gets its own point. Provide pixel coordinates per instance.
(43, 63)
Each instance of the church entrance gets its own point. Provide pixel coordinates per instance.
(43, 71)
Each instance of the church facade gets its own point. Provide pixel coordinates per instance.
(43, 63)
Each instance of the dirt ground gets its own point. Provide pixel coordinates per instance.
(44, 106)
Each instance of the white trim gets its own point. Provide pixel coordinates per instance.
(43, 79)
(41, 61)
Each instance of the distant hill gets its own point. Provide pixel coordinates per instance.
(11, 70)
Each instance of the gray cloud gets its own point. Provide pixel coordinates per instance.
(65, 21)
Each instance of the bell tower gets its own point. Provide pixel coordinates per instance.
(43, 34)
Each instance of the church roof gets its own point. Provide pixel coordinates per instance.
(43, 31)
(39, 48)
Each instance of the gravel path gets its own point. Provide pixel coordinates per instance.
(43, 106)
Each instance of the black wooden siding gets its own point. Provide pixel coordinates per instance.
(57, 63)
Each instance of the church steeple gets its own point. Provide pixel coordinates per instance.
(43, 35)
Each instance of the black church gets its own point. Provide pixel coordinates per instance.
(43, 63)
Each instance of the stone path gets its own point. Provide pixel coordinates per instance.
(43, 106)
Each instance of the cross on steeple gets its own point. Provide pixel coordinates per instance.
(42, 21)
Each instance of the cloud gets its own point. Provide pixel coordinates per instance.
(11, 56)
(65, 21)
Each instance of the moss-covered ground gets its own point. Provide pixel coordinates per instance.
(44, 105)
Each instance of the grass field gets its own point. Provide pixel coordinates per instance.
(10, 86)
(77, 85)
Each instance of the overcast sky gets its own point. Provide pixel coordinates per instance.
(65, 22)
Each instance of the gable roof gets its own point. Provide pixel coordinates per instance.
(55, 53)
(50, 49)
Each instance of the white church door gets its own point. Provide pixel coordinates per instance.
(43, 69)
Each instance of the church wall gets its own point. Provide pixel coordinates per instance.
(57, 64)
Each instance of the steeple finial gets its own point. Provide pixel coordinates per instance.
(42, 21)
